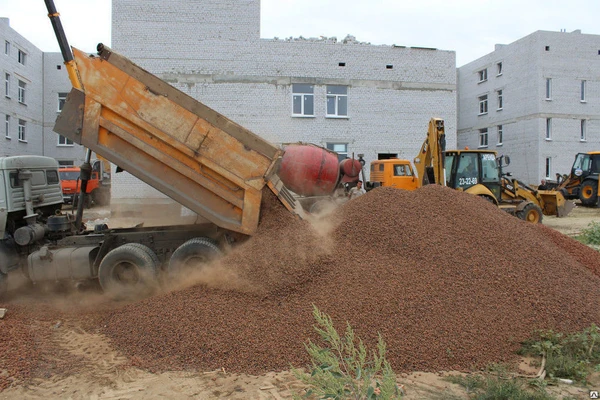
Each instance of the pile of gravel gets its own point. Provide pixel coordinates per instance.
(450, 281)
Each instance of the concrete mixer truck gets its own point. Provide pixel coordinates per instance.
(174, 143)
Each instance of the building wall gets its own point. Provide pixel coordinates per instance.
(29, 111)
(393, 91)
(43, 82)
(565, 58)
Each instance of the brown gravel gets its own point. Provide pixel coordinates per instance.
(451, 283)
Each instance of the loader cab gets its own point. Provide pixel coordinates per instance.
(465, 169)
(586, 164)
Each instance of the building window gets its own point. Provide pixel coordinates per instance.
(7, 85)
(583, 129)
(7, 47)
(483, 137)
(548, 167)
(499, 93)
(340, 148)
(303, 100)
(62, 97)
(483, 75)
(500, 134)
(337, 101)
(63, 141)
(7, 127)
(483, 105)
(583, 84)
(548, 89)
(21, 57)
(22, 126)
(498, 69)
(548, 128)
(21, 95)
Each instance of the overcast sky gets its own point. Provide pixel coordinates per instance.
(469, 27)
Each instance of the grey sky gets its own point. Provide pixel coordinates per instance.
(470, 27)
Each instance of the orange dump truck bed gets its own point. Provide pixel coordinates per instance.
(169, 140)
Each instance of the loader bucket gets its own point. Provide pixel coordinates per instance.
(554, 203)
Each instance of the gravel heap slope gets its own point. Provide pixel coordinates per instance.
(449, 281)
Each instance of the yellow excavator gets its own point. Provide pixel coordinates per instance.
(480, 172)
(582, 182)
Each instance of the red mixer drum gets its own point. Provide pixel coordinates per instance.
(309, 170)
(350, 170)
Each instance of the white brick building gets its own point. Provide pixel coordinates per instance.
(212, 50)
(29, 104)
(536, 100)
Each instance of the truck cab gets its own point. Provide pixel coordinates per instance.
(98, 186)
(392, 172)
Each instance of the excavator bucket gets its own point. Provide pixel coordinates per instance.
(554, 203)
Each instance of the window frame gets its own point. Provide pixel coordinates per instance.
(483, 75)
(548, 166)
(500, 100)
(483, 104)
(483, 138)
(22, 57)
(21, 92)
(337, 97)
(7, 126)
(342, 155)
(500, 138)
(62, 98)
(22, 131)
(548, 88)
(67, 142)
(7, 85)
(548, 128)
(303, 98)
(583, 91)
(6, 48)
(499, 68)
(583, 130)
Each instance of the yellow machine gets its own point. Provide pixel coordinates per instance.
(477, 172)
(582, 182)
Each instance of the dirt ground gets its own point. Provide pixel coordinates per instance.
(106, 374)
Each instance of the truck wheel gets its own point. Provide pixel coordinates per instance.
(531, 213)
(588, 193)
(194, 253)
(128, 270)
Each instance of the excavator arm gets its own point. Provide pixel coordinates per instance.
(429, 163)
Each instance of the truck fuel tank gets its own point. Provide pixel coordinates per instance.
(67, 263)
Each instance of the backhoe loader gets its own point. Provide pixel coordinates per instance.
(582, 182)
(480, 172)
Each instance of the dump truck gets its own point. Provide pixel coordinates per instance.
(167, 139)
(479, 172)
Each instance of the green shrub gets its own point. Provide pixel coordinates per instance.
(572, 356)
(591, 235)
(342, 369)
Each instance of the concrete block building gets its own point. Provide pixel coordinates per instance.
(351, 97)
(536, 100)
(35, 86)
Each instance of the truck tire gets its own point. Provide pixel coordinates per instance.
(194, 253)
(588, 192)
(128, 271)
(531, 213)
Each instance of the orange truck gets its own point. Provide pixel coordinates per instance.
(97, 189)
